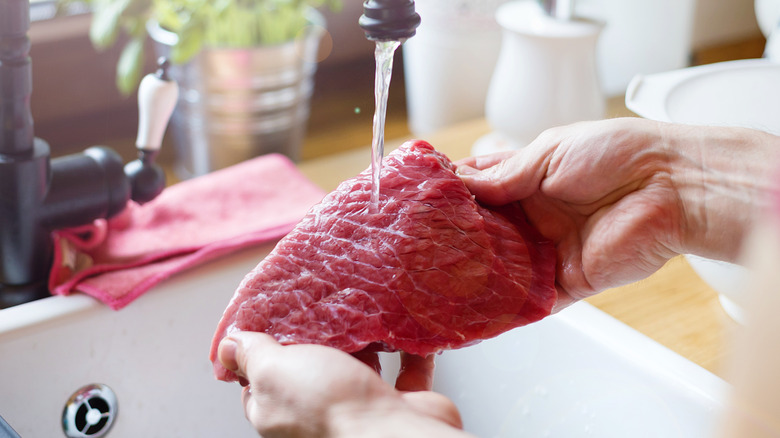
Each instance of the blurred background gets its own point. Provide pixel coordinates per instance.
(75, 101)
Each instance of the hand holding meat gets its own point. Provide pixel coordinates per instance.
(316, 391)
(587, 207)
(620, 197)
(426, 269)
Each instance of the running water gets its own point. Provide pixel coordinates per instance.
(384, 71)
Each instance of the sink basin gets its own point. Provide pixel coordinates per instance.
(579, 373)
(735, 93)
(576, 374)
(153, 354)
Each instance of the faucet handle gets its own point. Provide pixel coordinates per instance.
(157, 96)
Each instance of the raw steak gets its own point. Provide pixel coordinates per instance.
(430, 269)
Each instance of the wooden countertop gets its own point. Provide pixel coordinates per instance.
(674, 306)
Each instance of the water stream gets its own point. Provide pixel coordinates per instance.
(384, 71)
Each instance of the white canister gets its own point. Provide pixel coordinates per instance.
(545, 76)
(449, 63)
(640, 37)
(768, 17)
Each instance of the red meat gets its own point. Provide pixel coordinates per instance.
(430, 269)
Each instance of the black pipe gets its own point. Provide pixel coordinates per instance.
(15, 78)
(85, 186)
(24, 164)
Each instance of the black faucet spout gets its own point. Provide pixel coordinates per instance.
(389, 20)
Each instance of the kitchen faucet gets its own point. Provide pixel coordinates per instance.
(39, 194)
(389, 20)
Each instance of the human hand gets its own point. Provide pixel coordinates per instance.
(318, 391)
(620, 197)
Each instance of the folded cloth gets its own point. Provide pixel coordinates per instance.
(189, 223)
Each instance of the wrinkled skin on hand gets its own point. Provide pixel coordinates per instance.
(620, 197)
(318, 391)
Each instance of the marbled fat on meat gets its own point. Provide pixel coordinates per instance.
(430, 269)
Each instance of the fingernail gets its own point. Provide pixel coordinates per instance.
(466, 170)
(227, 354)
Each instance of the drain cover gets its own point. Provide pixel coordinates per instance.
(90, 412)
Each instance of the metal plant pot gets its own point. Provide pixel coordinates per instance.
(238, 103)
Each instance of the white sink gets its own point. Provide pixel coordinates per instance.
(580, 373)
(153, 354)
(577, 374)
(735, 93)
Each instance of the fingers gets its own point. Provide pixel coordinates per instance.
(235, 350)
(287, 396)
(416, 373)
(434, 405)
(482, 162)
(502, 178)
(564, 300)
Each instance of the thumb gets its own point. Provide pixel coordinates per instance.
(237, 350)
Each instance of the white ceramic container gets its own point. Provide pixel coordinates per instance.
(448, 64)
(545, 76)
(639, 37)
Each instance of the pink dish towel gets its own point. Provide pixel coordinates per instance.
(189, 223)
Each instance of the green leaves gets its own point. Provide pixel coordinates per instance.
(232, 23)
(105, 25)
(189, 44)
(197, 23)
(128, 69)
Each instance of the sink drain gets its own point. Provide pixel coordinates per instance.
(89, 412)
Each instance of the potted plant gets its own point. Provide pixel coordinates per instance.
(245, 70)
